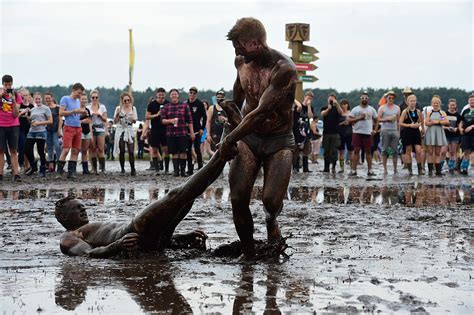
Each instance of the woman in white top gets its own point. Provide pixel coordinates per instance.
(99, 120)
(124, 117)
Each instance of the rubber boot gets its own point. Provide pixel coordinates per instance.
(333, 169)
(156, 165)
(85, 167)
(190, 168)
(167, 165)
(122, 163)
(421, 169)
(102, 164)
(94, 165)
(296, 164)
(133, 172)
(430, 169)
(326, 166)
(409, 168)
(176, 167)
(183, 167)
(42, 171)
(464, 165)
(71, 169)
(160, 163)
(61, 167)
(51, 166)
(451, 165)
(438, 169)
(305, 165)
(33, 169)
(152, 167)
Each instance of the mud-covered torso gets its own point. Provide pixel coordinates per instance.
(255, 80)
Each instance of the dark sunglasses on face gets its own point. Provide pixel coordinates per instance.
(95, 97)
(126, 100)
(364, 98)
(192, 92)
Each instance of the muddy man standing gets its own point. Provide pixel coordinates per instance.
(266, 80)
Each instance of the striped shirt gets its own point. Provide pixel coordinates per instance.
(180, 111)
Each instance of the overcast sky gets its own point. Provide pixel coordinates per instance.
(180, 44)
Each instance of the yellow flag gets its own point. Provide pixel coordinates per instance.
(131, 59)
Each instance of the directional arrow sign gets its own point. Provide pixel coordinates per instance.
(307, 78)
(310, 50)
(305, 67)
(307, 58)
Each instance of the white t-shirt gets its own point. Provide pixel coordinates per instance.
(364, 126)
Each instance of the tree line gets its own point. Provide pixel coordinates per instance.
(110, 96)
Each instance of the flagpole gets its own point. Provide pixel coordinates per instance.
(131, 61)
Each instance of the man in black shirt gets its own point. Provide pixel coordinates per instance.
(331, 114)
(157, 133)
(198, 112)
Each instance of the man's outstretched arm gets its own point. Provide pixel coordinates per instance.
(72, 245)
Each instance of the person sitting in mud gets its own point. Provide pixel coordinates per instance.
(150, 230)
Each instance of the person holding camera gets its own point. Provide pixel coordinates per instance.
(9, 126)
(332, 115)
(124, 117)
(302, 113)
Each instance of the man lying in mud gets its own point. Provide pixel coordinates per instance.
(150, 230)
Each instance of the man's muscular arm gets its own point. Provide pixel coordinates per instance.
(72, 245)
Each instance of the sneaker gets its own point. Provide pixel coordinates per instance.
(17, 178)
(352, 173)
(370, 173)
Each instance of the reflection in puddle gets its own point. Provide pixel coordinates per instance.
(405, 194)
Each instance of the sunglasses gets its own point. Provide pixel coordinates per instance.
(390, 98)
(126, 100)
(364, 98)
(95, 97)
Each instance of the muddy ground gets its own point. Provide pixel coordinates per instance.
(395, 245)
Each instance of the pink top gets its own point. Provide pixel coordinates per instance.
(6, 111)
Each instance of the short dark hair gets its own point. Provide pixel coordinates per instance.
(332, 94)
(246, 29)
(345, 101)
(49, 93)
(160, 89)
(78, 86)
(7, 79)
(174, 90)
(452, 100)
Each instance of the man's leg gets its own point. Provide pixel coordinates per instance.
(197, 149)
(277, 173)
(243, 172)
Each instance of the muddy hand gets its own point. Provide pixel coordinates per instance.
(130, 241)
(228, 150)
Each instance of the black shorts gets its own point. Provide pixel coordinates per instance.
(346, 141)
(265, 146)
(177, 145)
(9, 138)
(157, 138)
(467, 142)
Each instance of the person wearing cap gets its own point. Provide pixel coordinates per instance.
(389, 116)
(216, 120)
(332, 115)
(198, 112)
(466, 127)
(364, 119)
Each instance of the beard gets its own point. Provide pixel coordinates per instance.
(364, 102)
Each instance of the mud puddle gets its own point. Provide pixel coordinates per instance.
(349, 252)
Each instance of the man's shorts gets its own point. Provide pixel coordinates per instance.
(9, 137)
(346, 141)
(36, 135)
(265, 146)
(390, 139)
(177, 145)
(467, 142)
(72, 137)
(361, 141)
(157, 138)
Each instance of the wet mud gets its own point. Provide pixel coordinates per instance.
(393, 245)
